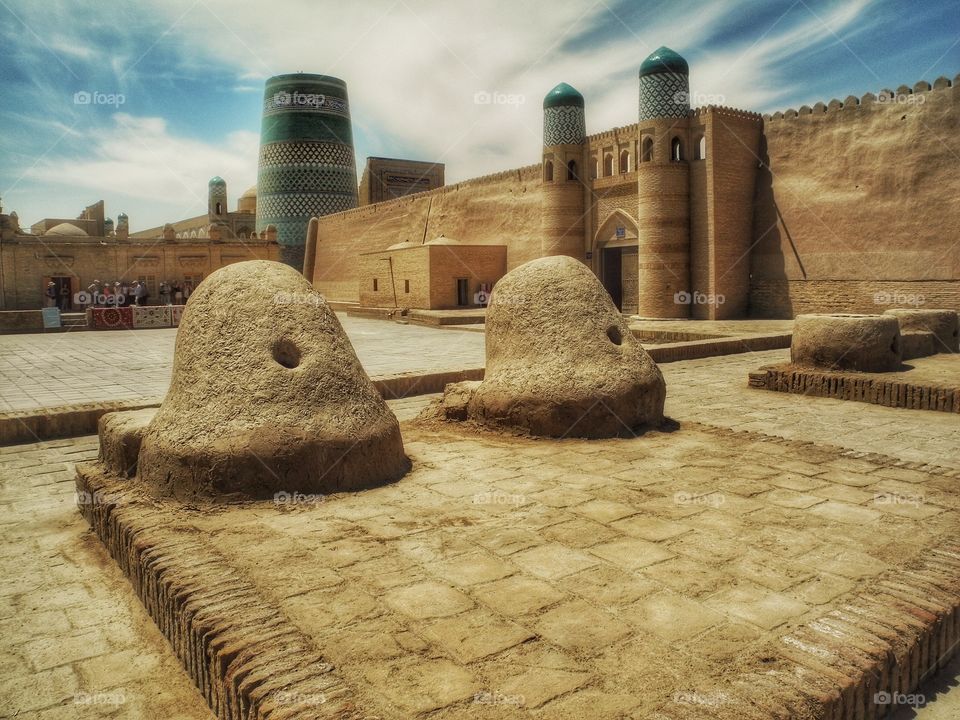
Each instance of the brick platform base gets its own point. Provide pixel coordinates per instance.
(331, 609)
(876, 388)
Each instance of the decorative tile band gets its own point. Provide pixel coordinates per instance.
(563, 125)
(664, 95)
(305, 153)
(284, 101)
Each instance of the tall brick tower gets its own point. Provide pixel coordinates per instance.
(307, 166)
(564, 153)
(663, 187)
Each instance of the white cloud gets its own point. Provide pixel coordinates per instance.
(413, 68)
(156, 177)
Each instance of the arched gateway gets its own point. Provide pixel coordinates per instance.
(616, 243)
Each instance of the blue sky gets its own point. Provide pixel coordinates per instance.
(191, 74)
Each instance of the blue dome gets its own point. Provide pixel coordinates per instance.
(563, 95)
(122, 216)
(664, 60)
(217, 180)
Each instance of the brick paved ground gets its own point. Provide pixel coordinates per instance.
(608, 578)
(49, 552)
(50, 370)
(71, 628)
(75, 641)
(714, 391)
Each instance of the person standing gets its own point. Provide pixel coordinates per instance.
(93, 290)
(177, 294)
(50, 294)
(64, 303)
(164, 293)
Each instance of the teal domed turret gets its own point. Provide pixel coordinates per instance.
(217, 180)
(664, 86)
(563, 118)
(663, 60)
(563, 95)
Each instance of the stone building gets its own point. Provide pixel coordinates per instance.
(391, 178)
(439, 274)
(72, 254)
(239, 224)
(693, 175)
(708, 212)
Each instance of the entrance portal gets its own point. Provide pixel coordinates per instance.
(616, 243)
(611, 274)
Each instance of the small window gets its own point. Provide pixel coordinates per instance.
(462, 294)
(219, 209)
(548, 171)
(647, 154)
(700, 149)
(624, 162)
(406, 286)
(676, 150)
(594, 169)
(374, 284)
(607, 165)
(572, 170)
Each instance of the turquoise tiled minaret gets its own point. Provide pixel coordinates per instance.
(306, 165)
(562, 196)
(563, 120)
(664, 86)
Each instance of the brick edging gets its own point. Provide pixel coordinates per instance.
(246, 658)
(28, 426)
(871, 388)
(849, 662)
(698, 349)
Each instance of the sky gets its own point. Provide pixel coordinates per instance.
(176, 86)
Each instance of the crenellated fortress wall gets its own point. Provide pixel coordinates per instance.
(855, 206)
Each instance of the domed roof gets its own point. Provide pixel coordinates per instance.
(402, 245)
(122, 216)
(66, 229)
(664, 60)
(107, 221)
(563, 95)
(251, 192)
(442, 240)
(217, 180)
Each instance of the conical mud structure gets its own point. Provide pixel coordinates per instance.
(561, 361)
(267, 396)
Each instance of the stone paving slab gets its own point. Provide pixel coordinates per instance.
(711, 391)
(714, 391)
(457, 592)
(74, 641)
(45, 371)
